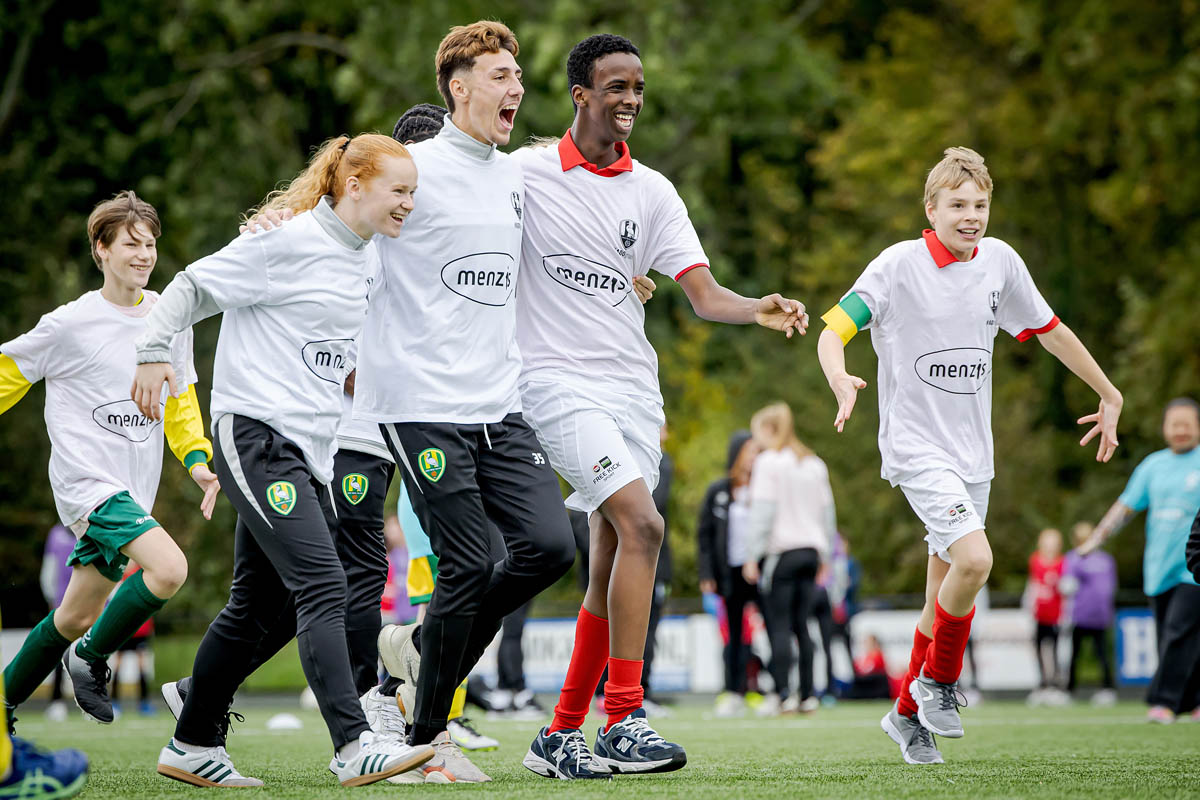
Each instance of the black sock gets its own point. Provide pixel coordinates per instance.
(416, 639)
(389, 686)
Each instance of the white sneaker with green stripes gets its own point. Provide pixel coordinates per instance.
(379, 756)
(208, 767)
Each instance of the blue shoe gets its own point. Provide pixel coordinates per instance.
(40, 775)
(564, 755)
(631, 745)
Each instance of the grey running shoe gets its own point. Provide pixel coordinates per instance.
(90, 679)
(449, 760)
(631, 745)
(937, 705)
(917, 744)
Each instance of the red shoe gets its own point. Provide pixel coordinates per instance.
(1161, 715)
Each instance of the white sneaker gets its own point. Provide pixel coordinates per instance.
(1104, 698)
(379, 757)
(791, 705)
(174, 698)
(383, 715)
(730, 705)
(771, 706)
(57, 711)
(466, 737)
(401, 660)
(1057, 698)
(209, 767)
(1036, 698)
(308, 699)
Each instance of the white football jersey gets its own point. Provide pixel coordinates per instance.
(588, 232)
(100, 443)
(933, 324)
(438, 344)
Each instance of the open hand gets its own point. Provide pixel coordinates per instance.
(206, 480)
(845, 389)
(146, 391)
(781, 314)
(266, 220)
(1104, 424)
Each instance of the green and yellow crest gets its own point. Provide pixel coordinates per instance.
(281, 496)
(354, 487)
(432, 462)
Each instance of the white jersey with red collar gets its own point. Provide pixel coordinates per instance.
(933, 322)
(588, 232)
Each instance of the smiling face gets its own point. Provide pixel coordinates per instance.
(1181, 428)
(612, 105)
(959, 217)
(384, 201)
(487, 96)
(128, 261)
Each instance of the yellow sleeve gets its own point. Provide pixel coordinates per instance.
(13, 384)
(184, 426)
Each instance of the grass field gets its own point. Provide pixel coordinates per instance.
(1009, 751)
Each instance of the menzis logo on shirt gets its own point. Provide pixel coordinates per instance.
(588, 277)
(123, 418)
(958, 370)
(327, 359)
(484, 278)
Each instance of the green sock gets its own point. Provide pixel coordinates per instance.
(34, 661)
(131, 606)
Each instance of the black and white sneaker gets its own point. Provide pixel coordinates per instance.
(90, 679)
(631, 745)
(175, 694)
(937, 705)
(564, 755)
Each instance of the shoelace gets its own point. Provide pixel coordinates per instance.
(950, 698)
(924, 737)
(575, 747)
(392, 718)
(101, 675)
(641, 728)
(226, 725)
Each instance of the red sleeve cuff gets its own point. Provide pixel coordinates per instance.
(1029, 333)
(686, 270)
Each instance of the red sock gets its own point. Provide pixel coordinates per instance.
(588, 658)
(916, 660)
(950, 634)
(623, 691)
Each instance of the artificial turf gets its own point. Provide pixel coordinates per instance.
(1009, 751)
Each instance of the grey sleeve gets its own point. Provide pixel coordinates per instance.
(182, 304)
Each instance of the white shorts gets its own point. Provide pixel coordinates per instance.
(949, 507)
(597, 441)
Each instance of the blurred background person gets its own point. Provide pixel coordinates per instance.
(1167, 485)
(792, 525)
(54, 577)
(1045, 599)
(871, 679)
(1090, 583)
(722, 534)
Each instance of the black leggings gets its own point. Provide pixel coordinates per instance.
(737, 654)
(1099, 647)
(790, 582)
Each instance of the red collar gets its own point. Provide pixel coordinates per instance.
(570, 156)
(941, 256)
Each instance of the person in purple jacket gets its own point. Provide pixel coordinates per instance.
(1091, 581)
(55, 576)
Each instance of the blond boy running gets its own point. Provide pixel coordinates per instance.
(934, 306)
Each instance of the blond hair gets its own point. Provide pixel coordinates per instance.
(465, 43)
(334, 162)
(775, 428)
(122, 212)
(960, 164)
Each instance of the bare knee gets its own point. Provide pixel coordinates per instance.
(72, 622)
(167, 576)
(643, 533)
(974, 567)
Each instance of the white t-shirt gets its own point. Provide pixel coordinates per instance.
(587, 233)
(294, 299)
(100, 444)
(933, 324)
(799, 490)
(438, 344)
(360, 435)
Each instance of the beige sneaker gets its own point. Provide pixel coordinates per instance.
(449, 756)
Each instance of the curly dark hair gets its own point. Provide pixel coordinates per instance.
(421, 122)
(581, 63)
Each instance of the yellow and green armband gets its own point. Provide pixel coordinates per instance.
(848, 317)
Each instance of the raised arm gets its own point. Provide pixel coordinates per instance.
(715, 303)
(1115, 518)
(1063, 344)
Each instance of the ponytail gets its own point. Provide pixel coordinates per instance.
(776, 429)
(336, 160)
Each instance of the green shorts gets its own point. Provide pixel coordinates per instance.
(115, 523)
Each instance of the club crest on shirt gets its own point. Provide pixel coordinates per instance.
(628, 231)
(994, 301)
(354, 487)
(123, 418)
(281, 496)
(432, 463)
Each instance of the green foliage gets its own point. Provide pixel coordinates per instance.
(798, 134)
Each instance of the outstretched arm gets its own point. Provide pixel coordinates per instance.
(1063, 344)
(713, 302)
(1116, 518)
(831, 352)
